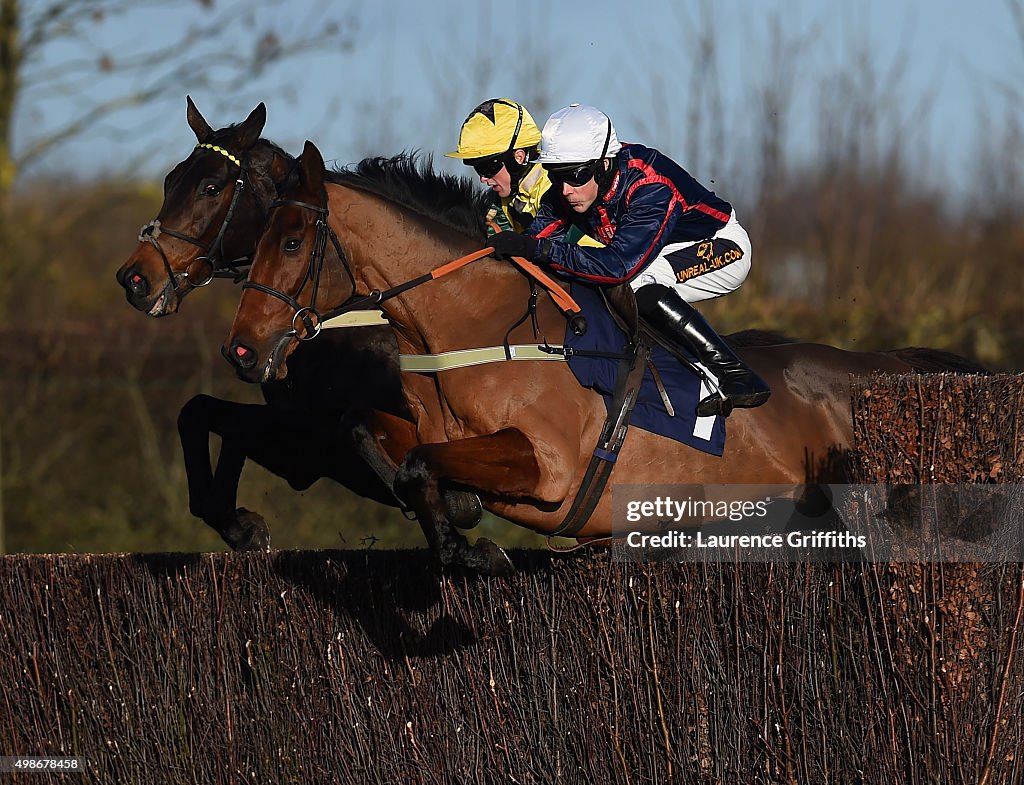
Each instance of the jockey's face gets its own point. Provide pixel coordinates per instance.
(501, 181)
(580, 197)
(577, 183)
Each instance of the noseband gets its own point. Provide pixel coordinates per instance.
(308, 315)
(211, 254)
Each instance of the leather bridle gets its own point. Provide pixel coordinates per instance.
(308, 315)
(210, 262)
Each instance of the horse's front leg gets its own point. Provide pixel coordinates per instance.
(383, 440)
(212, 496)
(501, 463)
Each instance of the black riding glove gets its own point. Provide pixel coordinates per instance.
(507, 244)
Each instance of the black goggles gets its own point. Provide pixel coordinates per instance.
(488, 167)
(573, 175)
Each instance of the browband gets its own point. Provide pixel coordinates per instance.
(220, 150)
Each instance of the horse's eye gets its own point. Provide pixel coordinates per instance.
(292, 244)
(211, 190)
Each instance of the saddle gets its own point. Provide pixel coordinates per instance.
(619, 357)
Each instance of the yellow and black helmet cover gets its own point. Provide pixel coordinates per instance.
(498, 125)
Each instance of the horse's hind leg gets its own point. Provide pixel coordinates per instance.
(501, 463)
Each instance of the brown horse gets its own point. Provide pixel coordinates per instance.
(212, 217)
(518, 434)
(216, 203)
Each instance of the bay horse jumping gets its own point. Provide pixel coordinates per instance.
(518, 434)
(216, 203)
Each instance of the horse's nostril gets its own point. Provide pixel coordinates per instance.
(243, 356)
(137, 284)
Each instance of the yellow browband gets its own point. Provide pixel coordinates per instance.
(222, 151)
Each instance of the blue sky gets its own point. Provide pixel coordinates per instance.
(417, 69)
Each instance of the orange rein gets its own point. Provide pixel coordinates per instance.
(560, 297)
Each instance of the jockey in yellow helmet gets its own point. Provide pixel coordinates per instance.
(499, 139)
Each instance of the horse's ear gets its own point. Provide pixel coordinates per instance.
(312, 170)
(251, 127)
(280, 165)
(197, 122)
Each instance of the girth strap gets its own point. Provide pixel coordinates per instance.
(627, 389)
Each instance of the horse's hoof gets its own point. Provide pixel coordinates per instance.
(492, 559)
(462, 508)
(250, 532)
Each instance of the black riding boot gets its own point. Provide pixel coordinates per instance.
(682, 325)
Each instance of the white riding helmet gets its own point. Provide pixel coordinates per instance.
(577, 134)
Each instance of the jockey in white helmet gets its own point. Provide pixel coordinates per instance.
(674, 241)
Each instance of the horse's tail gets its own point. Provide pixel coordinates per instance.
(921, 358)
(747, 338)
(925, 360)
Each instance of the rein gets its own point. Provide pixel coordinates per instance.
(313, 320)
(152, 231)
(562, 299)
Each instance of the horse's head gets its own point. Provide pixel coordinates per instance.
(297, 273)
(215, 205)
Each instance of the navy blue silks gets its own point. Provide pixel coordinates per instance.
(684, 386)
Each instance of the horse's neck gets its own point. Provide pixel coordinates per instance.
(471, 307)
(320, 374)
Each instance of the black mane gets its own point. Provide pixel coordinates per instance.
(409, 179)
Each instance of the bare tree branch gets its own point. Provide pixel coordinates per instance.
(63, 54)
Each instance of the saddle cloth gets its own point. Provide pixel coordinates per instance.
(684, 387)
